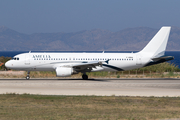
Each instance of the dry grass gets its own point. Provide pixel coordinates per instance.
(25, 107)
(122, 74)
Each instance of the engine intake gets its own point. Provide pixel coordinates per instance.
(63, 71)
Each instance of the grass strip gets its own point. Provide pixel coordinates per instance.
(15, 106)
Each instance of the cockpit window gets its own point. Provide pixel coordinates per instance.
(15, 58)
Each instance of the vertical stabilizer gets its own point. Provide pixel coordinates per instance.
(157, 46)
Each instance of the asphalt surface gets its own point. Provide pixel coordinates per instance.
(100, 87)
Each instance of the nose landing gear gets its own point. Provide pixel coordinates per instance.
(27, 77)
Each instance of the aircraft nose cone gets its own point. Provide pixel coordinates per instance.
(7, 64)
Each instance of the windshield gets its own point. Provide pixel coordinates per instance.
(14, 58)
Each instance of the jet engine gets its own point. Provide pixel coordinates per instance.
(64, 71)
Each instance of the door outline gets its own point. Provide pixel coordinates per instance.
(27, 59)
(138, 60)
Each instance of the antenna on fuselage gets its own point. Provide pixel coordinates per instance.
(29, 51)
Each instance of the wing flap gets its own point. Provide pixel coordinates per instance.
(88, 64)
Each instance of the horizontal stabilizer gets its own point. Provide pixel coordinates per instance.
(160, 60)
(167, 58)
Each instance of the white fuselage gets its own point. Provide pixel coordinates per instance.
(49, 61)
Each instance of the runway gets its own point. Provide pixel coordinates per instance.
(100, 87)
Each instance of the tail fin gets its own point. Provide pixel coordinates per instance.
(158, 43)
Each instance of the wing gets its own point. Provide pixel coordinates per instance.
(86, 66)
(80, 66)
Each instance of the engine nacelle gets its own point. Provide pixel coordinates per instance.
(63, 71)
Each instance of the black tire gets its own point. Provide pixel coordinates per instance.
(27, 77)
(84, 77)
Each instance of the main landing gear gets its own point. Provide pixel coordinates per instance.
(27, 77)
(84, 76)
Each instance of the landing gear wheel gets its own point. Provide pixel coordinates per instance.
(27, 77)
(84, 77)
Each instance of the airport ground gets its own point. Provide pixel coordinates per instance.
(128, 99)
(141, 97)
(158, 87)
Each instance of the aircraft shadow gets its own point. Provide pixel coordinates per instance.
(53, 79)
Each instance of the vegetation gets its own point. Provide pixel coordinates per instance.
(4, 60)
(160, 70)
(14, 106)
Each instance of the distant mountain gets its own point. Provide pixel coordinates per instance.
(131, 39)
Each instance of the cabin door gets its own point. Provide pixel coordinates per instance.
(138, 60)
(27, 59)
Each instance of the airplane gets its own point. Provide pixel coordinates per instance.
(67, 64)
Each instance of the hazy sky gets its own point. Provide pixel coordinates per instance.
(42, 16)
